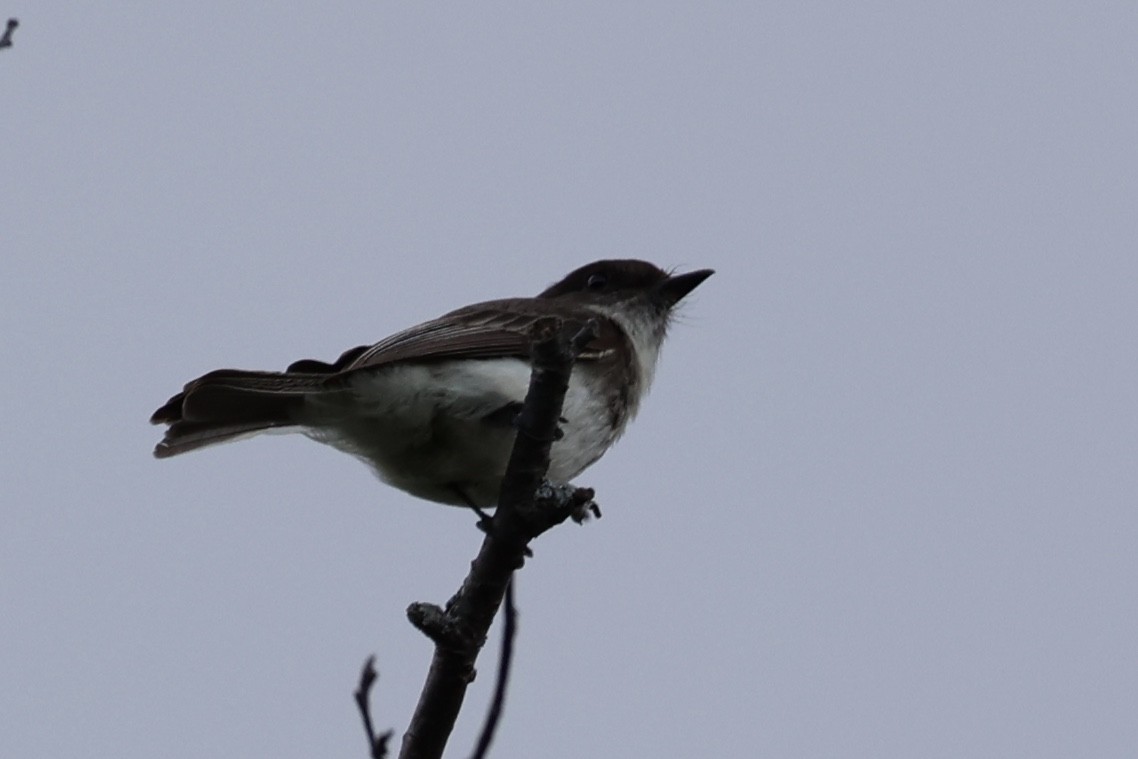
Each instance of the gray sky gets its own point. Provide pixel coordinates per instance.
(881, 502)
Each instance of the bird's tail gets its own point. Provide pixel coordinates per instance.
(230, 403)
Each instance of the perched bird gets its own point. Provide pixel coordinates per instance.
(431, 409)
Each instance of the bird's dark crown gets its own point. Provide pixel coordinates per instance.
(608, 276)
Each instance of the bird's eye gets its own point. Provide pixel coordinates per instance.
(597, 282)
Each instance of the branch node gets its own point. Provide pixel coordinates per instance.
(584, 336)
(442, 628)
(553, 504)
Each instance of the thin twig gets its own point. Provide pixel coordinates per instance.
(6, 40)
(377, 745)
(509, 631)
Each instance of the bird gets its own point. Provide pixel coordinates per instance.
(432, 409)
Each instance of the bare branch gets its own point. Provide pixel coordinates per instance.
(459, 630)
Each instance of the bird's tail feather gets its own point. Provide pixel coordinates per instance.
(229, 404)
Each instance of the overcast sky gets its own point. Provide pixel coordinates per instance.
(880, 503)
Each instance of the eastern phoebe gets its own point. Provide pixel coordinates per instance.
(431, 409)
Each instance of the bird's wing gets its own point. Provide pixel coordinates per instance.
(496, 329)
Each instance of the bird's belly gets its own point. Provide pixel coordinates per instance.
(463, 461)
(432, 430)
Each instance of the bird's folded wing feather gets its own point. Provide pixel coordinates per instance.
(498, 329)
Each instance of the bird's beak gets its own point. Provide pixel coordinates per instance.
(675, 287)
